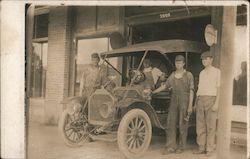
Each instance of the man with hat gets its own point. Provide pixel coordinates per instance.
(91, 76)
(181, 83)
(152, 74)
(207, 105)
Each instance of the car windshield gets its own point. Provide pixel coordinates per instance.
(119, 65)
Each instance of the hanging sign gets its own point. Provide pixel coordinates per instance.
(210, 35)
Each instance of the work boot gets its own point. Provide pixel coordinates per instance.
(178, 151)
(167, 151)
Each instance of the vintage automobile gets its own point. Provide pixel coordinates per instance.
(128, 113)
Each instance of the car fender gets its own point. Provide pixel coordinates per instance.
(129, 104)
(67, 102)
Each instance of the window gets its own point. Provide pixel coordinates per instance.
(39, 52)
(241, 15)
(85, 47)
(41, 26)
(38, 69)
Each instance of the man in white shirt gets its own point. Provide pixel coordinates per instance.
(151, 74)
(207, 105)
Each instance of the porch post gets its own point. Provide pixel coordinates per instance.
(226, 66)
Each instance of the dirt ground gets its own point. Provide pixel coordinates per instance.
(44, 142)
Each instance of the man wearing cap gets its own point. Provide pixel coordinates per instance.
(91, 76)
(207, 105)
(181, 83)
(151, 74)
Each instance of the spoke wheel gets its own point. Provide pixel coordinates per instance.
(71, 130)
(134, 133)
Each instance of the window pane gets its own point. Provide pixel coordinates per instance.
(38, 69)
(41, 26)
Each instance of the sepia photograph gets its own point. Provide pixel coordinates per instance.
(135, 80)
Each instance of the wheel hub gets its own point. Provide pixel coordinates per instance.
(135, 133)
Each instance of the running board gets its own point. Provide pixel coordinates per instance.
(104, 137)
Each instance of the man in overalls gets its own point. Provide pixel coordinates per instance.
(182, 85)
(91, 76)
(151, 75)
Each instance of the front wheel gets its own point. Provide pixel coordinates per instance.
(71, 129)
(134, 133)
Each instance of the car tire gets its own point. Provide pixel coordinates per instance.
(70, 137)
(134, 133)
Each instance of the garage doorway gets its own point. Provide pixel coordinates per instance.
(186, 29)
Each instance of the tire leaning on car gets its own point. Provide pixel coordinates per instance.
(134, 133)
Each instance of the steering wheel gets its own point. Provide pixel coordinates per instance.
(136, 75)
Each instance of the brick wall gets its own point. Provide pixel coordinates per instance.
(59, 39)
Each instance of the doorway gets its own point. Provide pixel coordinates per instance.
(186, 29)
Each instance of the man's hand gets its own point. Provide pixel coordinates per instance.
(195, 105)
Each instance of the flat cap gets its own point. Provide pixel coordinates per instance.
(180, 58)
(95, 55)
(206, 54)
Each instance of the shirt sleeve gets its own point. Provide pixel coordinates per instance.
(198, 91)
(157, 72)
(191, 80)
(169, 80)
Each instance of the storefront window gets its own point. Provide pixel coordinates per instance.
(240, 67)
(38, 69)
(85, 47)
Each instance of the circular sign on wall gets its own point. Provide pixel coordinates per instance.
(210, 35)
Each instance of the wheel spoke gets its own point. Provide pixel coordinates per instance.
(67, 129)
(140, 142)
(141, 128)
(77, 136)
(131, 143)
(141, 137)
(134, 144)
(70, 133)
(142, 133)
(130, 128)
(129, 134)
(130, 139)
(74, 135)
(133, 124)
(136, 122)
(140, 122)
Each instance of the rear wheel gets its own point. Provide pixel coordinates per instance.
(134, 133)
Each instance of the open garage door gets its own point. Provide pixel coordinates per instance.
(186, 29)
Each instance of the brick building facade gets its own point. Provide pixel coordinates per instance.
(69, 24)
